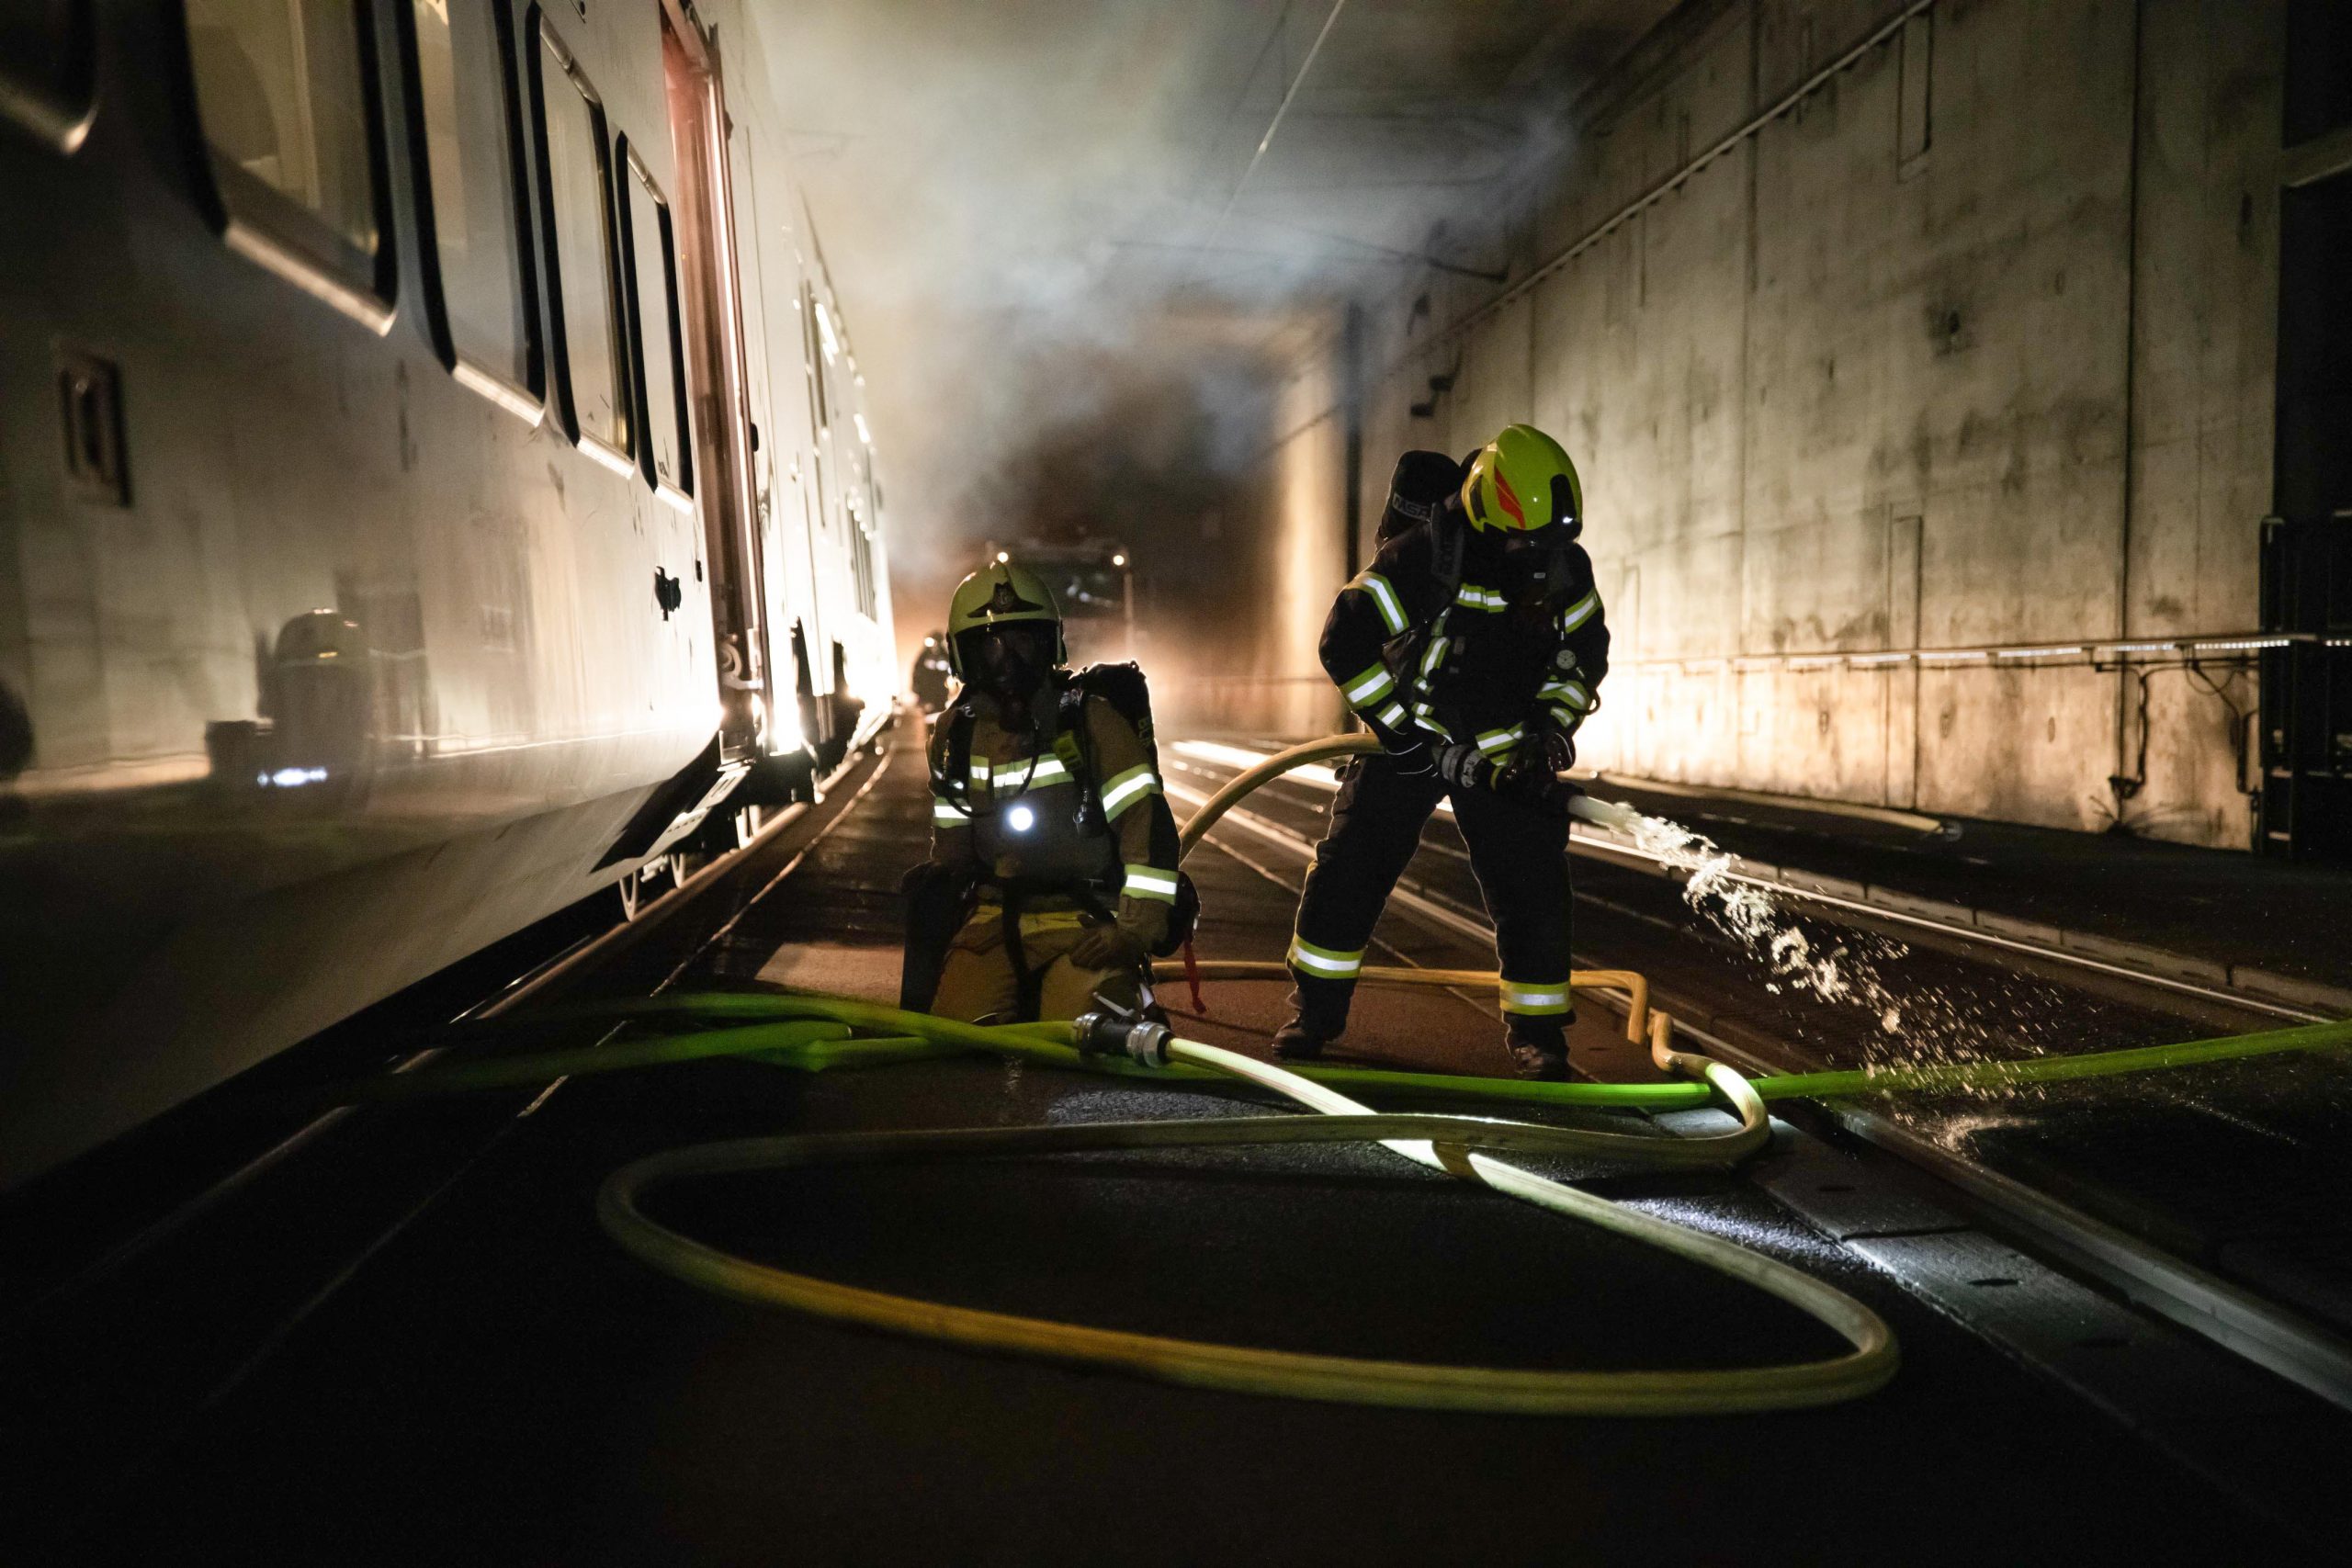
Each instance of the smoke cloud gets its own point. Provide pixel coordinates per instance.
(1071, 323)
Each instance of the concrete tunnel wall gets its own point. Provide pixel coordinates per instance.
(1273, 558)
(1973, 345)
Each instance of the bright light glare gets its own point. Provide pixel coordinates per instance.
(293, 778)
(1119, 560)
(1003, 555)
(1020, 820)
(784, 728)
(862, 433)
(1241, 757)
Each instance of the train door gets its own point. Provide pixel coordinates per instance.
(2307, 548)
(715, 374)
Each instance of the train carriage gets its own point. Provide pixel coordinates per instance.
(432, 486)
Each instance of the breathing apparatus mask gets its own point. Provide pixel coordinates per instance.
(1004, 634)
(1530, 568)
(1010, 662)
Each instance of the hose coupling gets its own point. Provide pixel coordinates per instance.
(1110, 1034)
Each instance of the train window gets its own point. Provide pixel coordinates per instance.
(862, 521)
(282, 87)
(578, 178)
(829, 347)
(862, 557)
(481, 294)
(820, 417)
(48, 68)
(653, 307)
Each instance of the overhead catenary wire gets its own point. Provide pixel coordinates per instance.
(1298, 79)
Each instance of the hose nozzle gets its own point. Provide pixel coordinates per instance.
(1111, 1033)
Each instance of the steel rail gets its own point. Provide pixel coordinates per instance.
(2183, 1293)
(573, 959)
(1655, 864)
(1649, 862)
(2274, 1337)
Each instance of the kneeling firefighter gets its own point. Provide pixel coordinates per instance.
(1473, 648)
(1053, 881)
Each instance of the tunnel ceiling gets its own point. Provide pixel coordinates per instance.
(1412, 111)
(1032, 210)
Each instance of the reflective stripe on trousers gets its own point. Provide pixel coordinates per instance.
(1518, 851)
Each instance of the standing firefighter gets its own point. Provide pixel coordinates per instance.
(928, 681)
(1473, 648)
(1053, 875)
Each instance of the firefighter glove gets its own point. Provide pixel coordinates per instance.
(1126, 943)
(1412, 758)
(1556, 747)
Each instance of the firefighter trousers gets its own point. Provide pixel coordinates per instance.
(1519, 852)
(982, 982)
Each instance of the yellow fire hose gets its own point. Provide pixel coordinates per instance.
(814, 1033)
(1272, 768)
(1446, 1142)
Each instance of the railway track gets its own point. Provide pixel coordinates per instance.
(144, 1286)
(453, 1292)
(1630, 925)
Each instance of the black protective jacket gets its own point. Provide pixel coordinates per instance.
(1424, 645)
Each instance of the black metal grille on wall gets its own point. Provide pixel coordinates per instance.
(2307, 689)
(2307, 549)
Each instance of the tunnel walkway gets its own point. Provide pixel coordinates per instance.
(2270, 930)
(498, 1383)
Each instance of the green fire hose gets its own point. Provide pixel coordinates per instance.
(817, 1033)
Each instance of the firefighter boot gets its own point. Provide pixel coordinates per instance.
(1316, 1018)
(1538, 1046)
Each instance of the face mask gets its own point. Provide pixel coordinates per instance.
(1525, 568)
(1011, 661)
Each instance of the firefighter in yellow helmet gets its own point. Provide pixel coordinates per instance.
(1053, 878)
(1472, 647)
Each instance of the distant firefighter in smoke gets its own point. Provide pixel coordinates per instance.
(1473, 648)
(1053, 878)
(932, 676)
